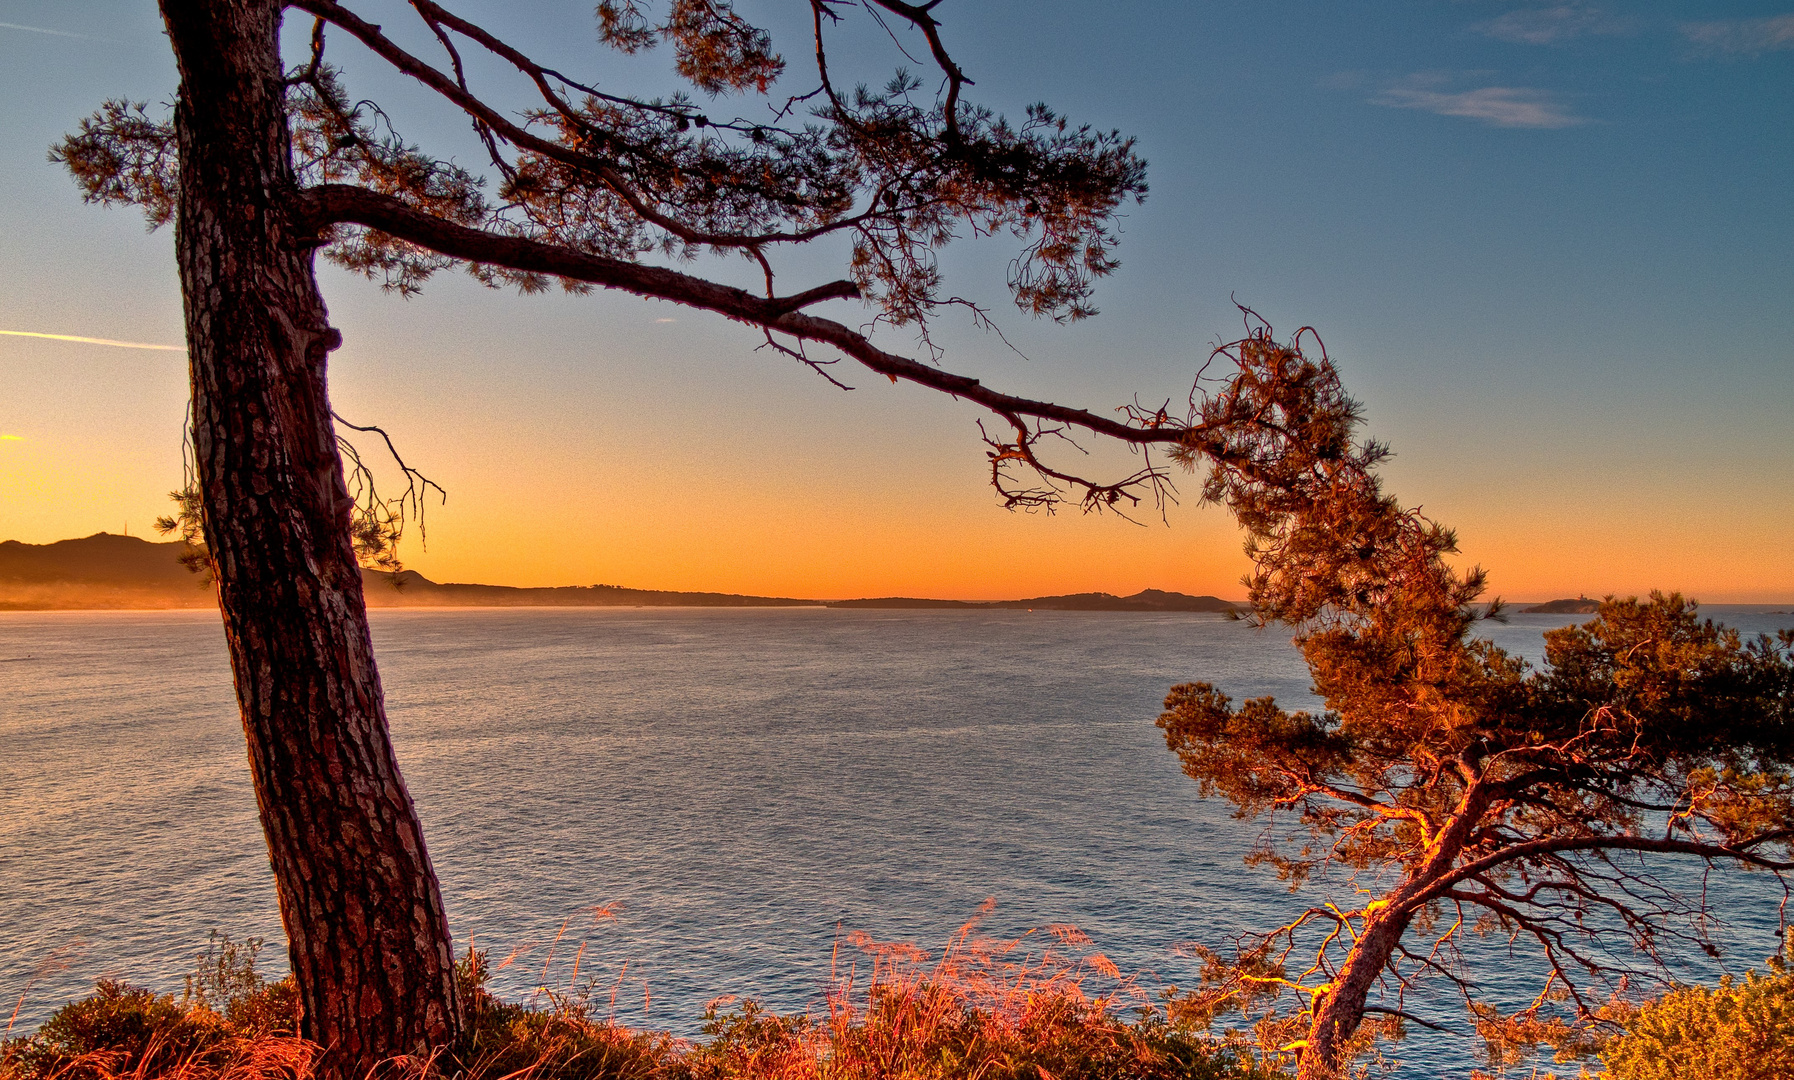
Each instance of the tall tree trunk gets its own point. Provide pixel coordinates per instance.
(363, 914)
(1338, 1015)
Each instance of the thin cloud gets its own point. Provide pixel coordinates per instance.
(95, 341)
(12, 438)
(1500, 106)
(665, 320)
(43, 30)
(1546, 26)
(1741, 37)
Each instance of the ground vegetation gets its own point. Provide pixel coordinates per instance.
(979, 1010)
(1742, 1029)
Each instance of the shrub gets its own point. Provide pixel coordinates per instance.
(1739, 1030)
(562, 1042)
(977, 1013)
(928, 1032)
(985, 1010)
(133, 1028)
(123, 1032)
(230, 1024)
(226, 982)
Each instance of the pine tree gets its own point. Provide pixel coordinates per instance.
(1449, 788)
(266, 163)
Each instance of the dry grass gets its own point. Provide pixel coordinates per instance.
(985, 1008)
(1045, 1006)
(122, 1032)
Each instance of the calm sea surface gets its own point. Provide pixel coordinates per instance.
(742, 787)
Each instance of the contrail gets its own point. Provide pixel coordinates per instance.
(94, 340)
(41, 30)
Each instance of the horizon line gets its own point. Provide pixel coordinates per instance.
(824, 601)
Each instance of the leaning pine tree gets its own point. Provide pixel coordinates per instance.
(268, 161)
(1449, 787)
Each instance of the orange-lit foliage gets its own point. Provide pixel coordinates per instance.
(986, 1009)
(123, 1032)
(1450, 788)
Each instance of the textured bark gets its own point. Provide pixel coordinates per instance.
(363, 913)
(1338, 1014)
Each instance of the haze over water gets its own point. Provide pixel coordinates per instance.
(743, 783)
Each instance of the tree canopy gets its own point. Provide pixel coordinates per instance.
(1742, 1029)
(587, 185)
(1449, 787)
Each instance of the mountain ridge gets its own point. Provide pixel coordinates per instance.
(107, 571)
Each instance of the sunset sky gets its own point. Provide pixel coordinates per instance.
(1552, 248)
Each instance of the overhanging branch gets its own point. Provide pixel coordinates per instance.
(330, 204)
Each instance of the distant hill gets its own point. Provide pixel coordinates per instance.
(904, 602)
(1145, 600)
(102, 558)
(120, 572)
(408, 588)
(98, 571)
(1582, 605)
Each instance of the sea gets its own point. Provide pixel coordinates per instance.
(661, 807)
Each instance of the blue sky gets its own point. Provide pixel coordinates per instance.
(1552, 246)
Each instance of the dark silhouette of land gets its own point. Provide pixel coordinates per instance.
(1582, 605)
(1145, 600)
(408, 588)
(99, 571)
(106, 571)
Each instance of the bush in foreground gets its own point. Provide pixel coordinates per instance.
(986, 1010)
(1739, 1030)
(979, 1013)
(229, 1024)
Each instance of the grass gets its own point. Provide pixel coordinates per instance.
(1040, 1007)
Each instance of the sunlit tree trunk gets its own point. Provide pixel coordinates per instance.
(1339, 1013)
(363, 913)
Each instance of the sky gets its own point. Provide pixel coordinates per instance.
(1551, 247)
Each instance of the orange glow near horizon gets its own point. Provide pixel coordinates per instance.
(844, 554)
(880, 495)
(521, 520)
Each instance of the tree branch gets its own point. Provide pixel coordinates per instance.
(328, 204)
(1740, 852)
(1410, 1018)
(490, 119)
